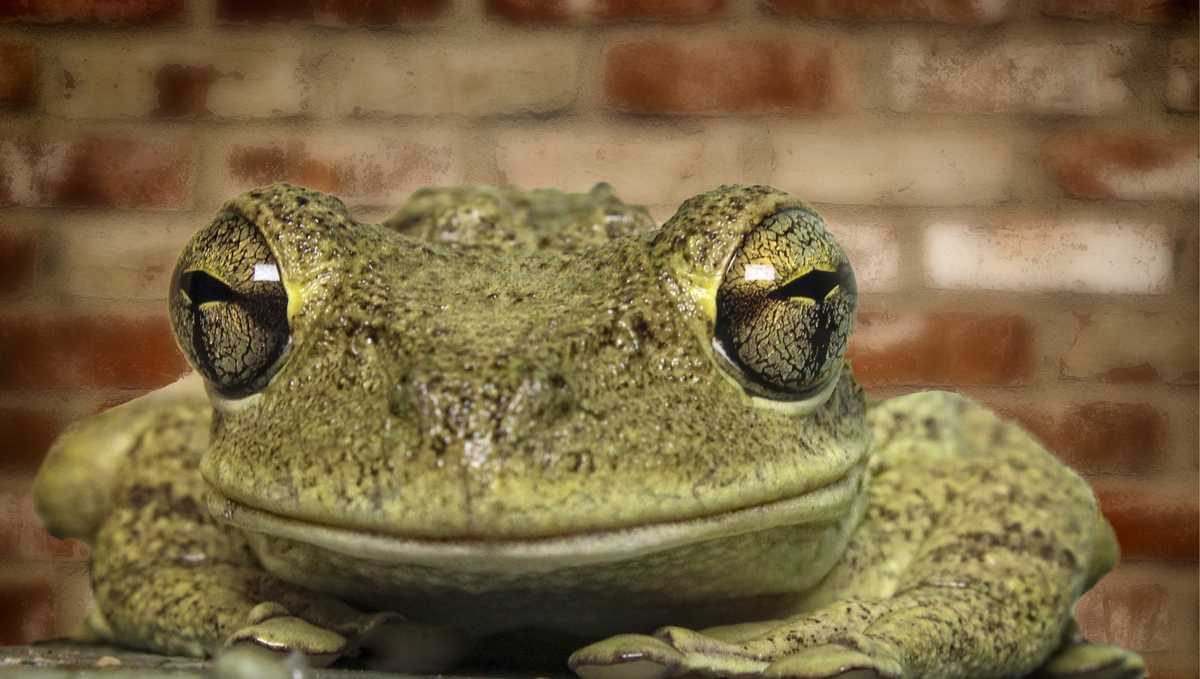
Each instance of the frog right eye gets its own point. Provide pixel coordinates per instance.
(229, 307)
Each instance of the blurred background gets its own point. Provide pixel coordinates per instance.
(1015, 181)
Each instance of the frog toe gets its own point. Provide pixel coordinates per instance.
(627, 656)
(832, 661)
(286, 633)
(1093, 661)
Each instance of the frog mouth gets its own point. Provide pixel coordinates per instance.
(832, 503)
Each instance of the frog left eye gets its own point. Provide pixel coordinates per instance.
(785, 307)
(229, 306)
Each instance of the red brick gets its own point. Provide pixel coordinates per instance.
(960, 75)
(42, 351)
(1152, 520)
(1139, 11)
(26, 611)
(94, 172)
(1100, 436)
(18, 74)
(28, 433)
(1125, 165)
(22, 535)
(719, 76)
(949, 11)
(942, 348)
(1183, 76)
(1142, 347)
(331, 12)
(115, 12)
(18, 259)
(564, 11)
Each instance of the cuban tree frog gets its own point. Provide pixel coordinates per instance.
(506, 424)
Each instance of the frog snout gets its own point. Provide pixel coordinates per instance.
(516, 397)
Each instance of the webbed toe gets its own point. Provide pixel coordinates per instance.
(832, 661)
(627, 656)
(1086, 660)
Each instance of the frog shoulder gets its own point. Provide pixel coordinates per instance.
(943, 423)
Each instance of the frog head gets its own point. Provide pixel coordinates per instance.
(655, 387)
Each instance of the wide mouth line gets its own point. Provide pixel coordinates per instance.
(824, 504)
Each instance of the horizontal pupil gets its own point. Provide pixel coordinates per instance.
(815, 285)
(201, 288)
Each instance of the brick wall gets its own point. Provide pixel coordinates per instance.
(1016, 181)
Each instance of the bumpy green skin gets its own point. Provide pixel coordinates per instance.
(529, 393)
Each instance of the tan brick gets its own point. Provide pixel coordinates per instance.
(22, 535)
(1142, 607)
(646, 165)
(949, 11)
(1133, 347)
(730, 75)
(18, 74)
(73, 351)
(1100, 436)
(1126, 165)
(18, 259)
(38, 171)
(872, 244)
(331, 12)
(357, 167)
(956, 75)
(1139, 11)
(114, 12)
(1173, 665)
(941, 349)
(1156, 520)
(113, 260)
(599, 11)
(100, 80)
(1037, 254)
(837, 163)
(536, 75)
(1183, 76)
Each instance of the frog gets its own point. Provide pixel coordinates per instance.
(509, 426)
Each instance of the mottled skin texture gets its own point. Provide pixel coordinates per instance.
(514, 425)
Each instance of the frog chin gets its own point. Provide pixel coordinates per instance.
(828, 504)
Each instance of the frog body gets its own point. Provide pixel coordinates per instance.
(504, 413)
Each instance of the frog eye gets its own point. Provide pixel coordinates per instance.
(785, 307)
(229, 307)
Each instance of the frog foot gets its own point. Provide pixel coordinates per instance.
(1085, 660)
(674, 651)
(273, 627)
